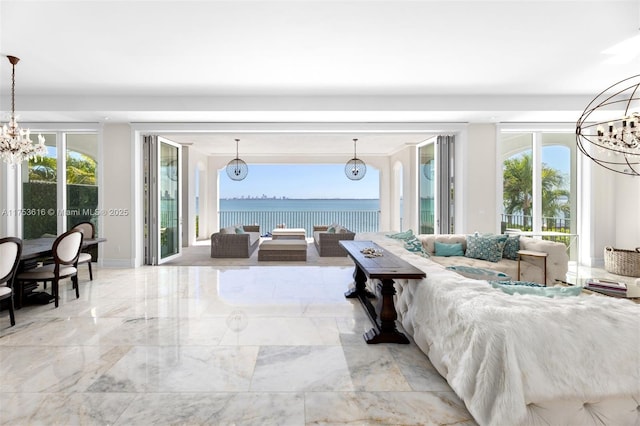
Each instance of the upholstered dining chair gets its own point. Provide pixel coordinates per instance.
(88, 231)
(10, 251)
(66, 249)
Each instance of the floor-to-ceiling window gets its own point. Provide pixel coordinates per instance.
(59, 191)
(82, 178)
(539, 183)
(39, 191)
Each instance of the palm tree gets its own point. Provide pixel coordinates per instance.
(518, 188)
(517, 177)
(81, 169)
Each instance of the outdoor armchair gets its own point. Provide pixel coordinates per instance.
(235, 241)
(327, 240)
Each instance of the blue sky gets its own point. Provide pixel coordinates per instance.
(556, 157)
(300, 181)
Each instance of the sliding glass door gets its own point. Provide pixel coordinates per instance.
(163, 221)
(435, 186)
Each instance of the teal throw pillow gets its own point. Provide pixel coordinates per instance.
(485, 247)
(511, 247)
(414, 245)
(239, 230)
(331, 230)
(402, 235)
(446, 250)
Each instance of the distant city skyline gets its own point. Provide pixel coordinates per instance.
(300, 181)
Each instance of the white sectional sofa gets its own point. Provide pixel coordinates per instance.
(522, 359)
(531, 269)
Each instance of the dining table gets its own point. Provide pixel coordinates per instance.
(34, 251)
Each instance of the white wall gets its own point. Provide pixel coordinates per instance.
(627, 211)
(118, 191)
(478, 179)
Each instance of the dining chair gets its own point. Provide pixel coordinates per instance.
(88, 231)
(66, 250)
(10, 251)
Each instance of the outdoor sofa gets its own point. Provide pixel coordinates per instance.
(235, 241)
(327, 237)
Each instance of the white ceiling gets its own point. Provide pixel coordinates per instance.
(300, 61)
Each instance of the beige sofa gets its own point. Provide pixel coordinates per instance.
(531, 268)
(327, 243)
(229, 243)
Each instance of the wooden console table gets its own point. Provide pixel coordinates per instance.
(385, 268)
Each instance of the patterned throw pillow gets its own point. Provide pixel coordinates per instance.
(402, 235)
(498, 283)
(414, 245)
(511, 247)
(485, 247)
(528, 288)
(479, 273)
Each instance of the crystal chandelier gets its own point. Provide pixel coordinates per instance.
(355, 169)
(613, 143)
(15, 143)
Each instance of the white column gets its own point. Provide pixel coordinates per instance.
(537, 182)
(213, 191)
(10, 201)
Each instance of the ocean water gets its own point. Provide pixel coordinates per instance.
(358, 215)
(269, 204)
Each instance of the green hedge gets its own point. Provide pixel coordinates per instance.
(40, 210)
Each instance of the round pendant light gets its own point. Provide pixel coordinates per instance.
(428, 169)
(237, 169)
(355, 169)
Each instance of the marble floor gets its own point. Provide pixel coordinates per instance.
(258, 345)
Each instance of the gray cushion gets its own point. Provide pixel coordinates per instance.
(288, 245)
(46, 272)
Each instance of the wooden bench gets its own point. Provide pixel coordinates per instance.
(283, 250)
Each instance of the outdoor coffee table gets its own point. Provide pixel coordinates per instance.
(289, 233)
(385, 268)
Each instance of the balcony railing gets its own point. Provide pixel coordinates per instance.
(354, 220)
(550, 224)
(524, 223)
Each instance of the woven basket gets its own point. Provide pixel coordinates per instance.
(622, 262)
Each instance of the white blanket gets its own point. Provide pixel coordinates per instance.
(501, 353)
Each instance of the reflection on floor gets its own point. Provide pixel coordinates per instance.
(203, 345)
